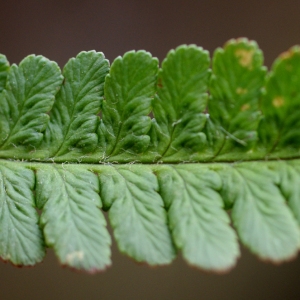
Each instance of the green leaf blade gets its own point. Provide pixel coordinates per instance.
(129, 88)
(73, 224)
(29, 95)
(199, 225)
(74, 120)
(236, 87)
(180, 103)
(261, 216)
(137, 214)
(21, 240)
(4, 67)
(279, 130)
(289, 179)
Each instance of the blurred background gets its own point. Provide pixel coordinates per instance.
(61, 29)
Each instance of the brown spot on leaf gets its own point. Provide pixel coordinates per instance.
(245, 107)
(241, 91)
(159, 83)
(245, 57)
(278, 102)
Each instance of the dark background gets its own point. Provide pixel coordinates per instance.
(61, 29)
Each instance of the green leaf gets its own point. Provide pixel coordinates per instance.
(74, 119)
(28, 96)
(179, 104)
(281, 103)
(199, 225)
(154, 208)
(129, 88)
(4, 67)
(136, 213)
(73, 224)
(260, 214)
(235, 88)
(289, 179)
(21, 240)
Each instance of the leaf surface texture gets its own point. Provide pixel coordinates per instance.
(184, 157)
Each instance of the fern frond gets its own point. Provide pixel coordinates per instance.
(166, 151)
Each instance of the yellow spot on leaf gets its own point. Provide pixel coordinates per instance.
(278, 102)
(245, 57)
(76, 255)
(245, 107)
(241, 91)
